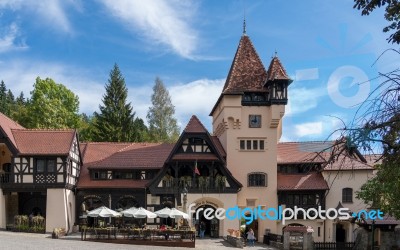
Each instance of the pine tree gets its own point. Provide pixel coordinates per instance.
(4, 104)
(162, 125)
(115, 122)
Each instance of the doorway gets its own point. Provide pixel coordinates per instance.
(340, 233)
(212, 226)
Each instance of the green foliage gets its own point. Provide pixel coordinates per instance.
(6, 99)
(86, 128)
(162, 125)
(392, 15)
(115, 122)
(383, 190)
(52, 105)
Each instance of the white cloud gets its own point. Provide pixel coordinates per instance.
(9, 39)
(20, 76)
(309, 128)
(319, 128)
(195, 98)
(303, 99)
(160, 21)
(48, 12)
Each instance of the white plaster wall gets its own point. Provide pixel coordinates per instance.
(337, 181)
(60, 209)
(2, 210)
(221, 200)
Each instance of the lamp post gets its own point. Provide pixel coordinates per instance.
(184, 192)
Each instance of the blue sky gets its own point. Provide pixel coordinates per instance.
(327, 48)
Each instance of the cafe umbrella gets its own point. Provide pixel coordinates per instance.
(103, 212)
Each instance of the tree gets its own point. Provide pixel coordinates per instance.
(19, 111)
(141, 131)
(162, 125)
(115, 122)
(391, 14)
(52, 105)
(4, 99)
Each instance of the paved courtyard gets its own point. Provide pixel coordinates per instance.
(25, 241)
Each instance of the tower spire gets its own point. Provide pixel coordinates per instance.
(244, 23)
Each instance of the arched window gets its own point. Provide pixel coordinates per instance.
(347, 195)
(257, 180)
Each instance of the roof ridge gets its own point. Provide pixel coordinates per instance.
(44, 129)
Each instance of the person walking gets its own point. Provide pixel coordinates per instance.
(250, 237)
(202, 229)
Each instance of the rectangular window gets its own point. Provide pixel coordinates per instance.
(51, 166)
(248, 142)
(261, 144)
(40, 166)
(257, 180)
(255, 144)
(347, 195)
(242, 145)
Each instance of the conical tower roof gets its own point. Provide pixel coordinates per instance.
(276, 71)
(247, 72)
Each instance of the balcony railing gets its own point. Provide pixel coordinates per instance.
(198, 183)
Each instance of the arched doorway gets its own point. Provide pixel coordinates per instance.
(211, 226)
(87, 205)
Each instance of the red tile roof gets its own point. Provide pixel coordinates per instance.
(109, 155)
(7, 125)
(219, 146)
(303, 152)
(195, 126)
(276, 71)
(300, 152)
(310, 181)
(247, 72)
(345, 163)
(96, 151)
(136, 155)
(86, 182)
(43, 141)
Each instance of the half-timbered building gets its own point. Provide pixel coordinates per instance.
(40, 170)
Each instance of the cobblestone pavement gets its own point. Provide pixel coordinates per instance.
(26, 241)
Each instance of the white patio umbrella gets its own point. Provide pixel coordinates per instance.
(103, 212)
(129, 212)
(176, 213)
(143, 213)
(163, 213)
(171, 213)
